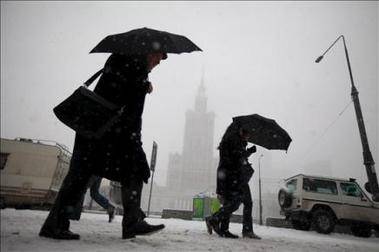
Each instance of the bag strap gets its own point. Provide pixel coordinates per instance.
(94, 77)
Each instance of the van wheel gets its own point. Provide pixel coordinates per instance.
(323, 221)
(284, 198)
(376, 228)
(301, 225)
(361, 230)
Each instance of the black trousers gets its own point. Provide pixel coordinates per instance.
(131, 192)
(69, 201)
(231, 204)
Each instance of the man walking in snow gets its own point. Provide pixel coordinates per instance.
(233, 175)
(117, 154)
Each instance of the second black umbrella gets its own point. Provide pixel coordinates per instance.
(264, 131)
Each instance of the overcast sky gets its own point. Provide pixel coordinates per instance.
(258, 57)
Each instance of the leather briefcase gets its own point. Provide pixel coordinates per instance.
(88, 113)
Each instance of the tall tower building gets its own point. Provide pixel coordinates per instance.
(194, 170)
(198, 149)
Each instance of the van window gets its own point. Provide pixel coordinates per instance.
(3, 160)
(292, 185)
(319, 186)
(350, 189)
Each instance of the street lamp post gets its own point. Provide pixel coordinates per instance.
(260, 190)
(372, 184)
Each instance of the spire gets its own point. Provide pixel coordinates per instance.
(201, 99)
(202, 79)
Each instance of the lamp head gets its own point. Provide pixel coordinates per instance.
(319, 59)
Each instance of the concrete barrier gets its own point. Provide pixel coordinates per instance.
(177, 214)
(188, 215)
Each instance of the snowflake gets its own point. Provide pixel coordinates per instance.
(156, 45)
(221, 175)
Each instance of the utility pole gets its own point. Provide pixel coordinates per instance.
(372, 185)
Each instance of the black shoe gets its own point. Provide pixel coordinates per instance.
(213, 224)
(59, 234)
(227, 234)
(209, 225)
(111, 213)
(140, 228)
(251, 235)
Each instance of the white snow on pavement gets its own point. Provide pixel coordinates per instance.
(19, 232)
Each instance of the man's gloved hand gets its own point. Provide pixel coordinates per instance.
(145, 174)
(252, 149)
(139, 157)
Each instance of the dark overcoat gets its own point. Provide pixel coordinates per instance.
(118, 154)
(233, 169)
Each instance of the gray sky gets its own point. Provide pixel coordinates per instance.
(258, 57)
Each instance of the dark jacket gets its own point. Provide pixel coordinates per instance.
(118, 154)
(234, 169)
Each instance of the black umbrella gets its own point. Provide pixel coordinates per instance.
(143, 41)
(264, 132)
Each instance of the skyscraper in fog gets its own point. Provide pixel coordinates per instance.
(194, 171)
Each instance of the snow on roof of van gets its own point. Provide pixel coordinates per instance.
(319, 177)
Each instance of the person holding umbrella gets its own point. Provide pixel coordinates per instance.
(117, 154)
(234, 170)
(233, 175)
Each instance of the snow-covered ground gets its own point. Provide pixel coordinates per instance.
(19, 232)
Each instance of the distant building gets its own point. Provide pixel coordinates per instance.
(174, 164)
(194, 171)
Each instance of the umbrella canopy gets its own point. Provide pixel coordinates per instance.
(264, 132)
(143, 41)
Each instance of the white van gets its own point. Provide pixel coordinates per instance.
(323, 202)
(32, 171)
